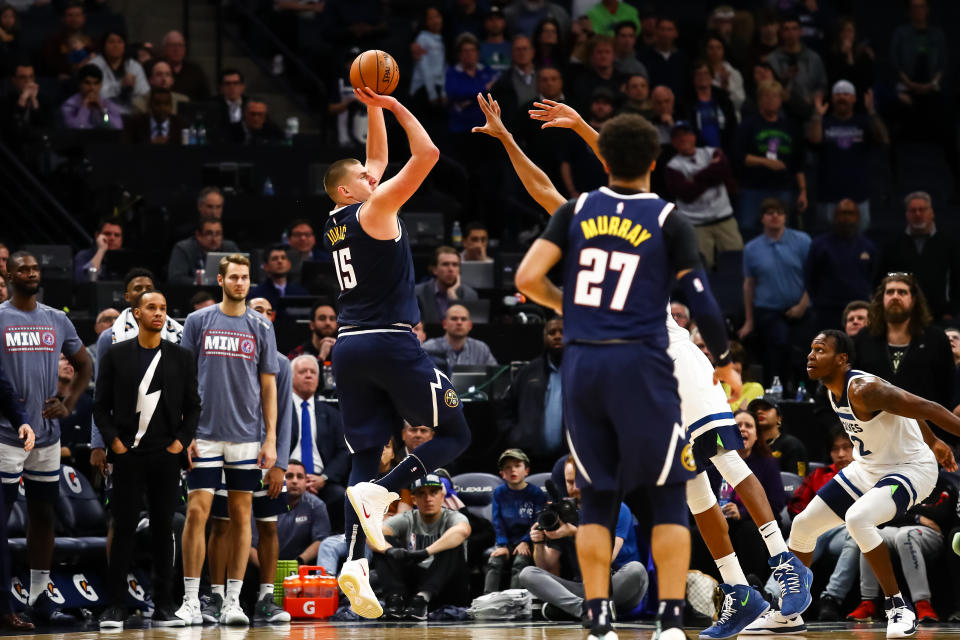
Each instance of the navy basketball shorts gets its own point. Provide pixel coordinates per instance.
(622, 412)
(383, 378)
(265, 508)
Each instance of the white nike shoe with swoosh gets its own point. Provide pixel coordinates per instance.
(371, 501)
(354, 580)
(774, 623)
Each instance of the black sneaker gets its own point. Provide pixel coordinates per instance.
(829, 609)
(394, 608)
(165, 617)
(416, 609)
(45, 611)
(210, 608)
(553, 613)
(113, 617)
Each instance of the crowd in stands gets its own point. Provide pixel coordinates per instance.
(777, 121)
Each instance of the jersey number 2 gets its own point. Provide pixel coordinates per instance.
(589, 289)
(345, 273)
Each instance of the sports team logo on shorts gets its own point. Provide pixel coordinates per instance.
(29, 338)
(686, 458)
(229, 344)
(451, 399)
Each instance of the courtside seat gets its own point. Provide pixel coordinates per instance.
(476, 491)
(791, 482)
(539, 479)
(89, 518)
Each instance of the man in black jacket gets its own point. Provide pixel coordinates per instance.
(900, 345)
(532, 413)
(147, 407)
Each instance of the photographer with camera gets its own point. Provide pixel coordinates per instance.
(556, 577)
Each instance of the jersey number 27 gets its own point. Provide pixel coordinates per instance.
(346, 276)
(589, 291)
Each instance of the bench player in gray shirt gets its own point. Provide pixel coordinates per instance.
(34, 335)
(236, 363)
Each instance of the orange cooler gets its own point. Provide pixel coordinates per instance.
(319, 594)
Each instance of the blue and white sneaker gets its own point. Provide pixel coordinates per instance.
(772, 623)
(795, 580)
(742, 605)
(901, 619)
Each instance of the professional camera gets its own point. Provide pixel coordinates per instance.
(558, 511)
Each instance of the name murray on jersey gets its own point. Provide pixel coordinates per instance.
(624, 228)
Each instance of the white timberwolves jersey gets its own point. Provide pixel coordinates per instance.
(675, 332)
(886, 439)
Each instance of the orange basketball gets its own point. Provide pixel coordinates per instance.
(375, 69)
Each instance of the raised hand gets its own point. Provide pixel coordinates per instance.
(819, 105)
(494, 125)
(555, 114)
(368, 97)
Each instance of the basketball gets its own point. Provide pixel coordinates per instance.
(375, 69)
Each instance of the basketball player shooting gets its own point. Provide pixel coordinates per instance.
(382, 374)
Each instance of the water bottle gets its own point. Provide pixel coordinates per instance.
(776, 389)
(106, 119)
(329, 382)
(802, 392)
(185, 137)
(725, 492)
(200, 274)
(268, 187)
(192, 135)
(456, 234)
(292, 128)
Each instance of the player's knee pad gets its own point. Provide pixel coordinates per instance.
(731, 466)
(864, 516)
(668, 506)
(808, 525)
(700, 496)
(599, 507)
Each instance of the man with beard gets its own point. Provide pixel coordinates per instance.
(34, 335)
(840, 266)
(900, 345)
(323, 333)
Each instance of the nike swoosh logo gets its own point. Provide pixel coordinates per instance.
(365, 514)
(743, 602)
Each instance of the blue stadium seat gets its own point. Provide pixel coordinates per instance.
(476, 491)
(88, 516)
(539, 479)
(791, 482)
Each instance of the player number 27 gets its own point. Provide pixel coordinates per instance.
(589, 289)
(345, 273)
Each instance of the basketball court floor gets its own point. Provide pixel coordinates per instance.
(459, 631)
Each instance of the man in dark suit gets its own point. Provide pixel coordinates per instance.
(317, 439)
(147, 408)
(254, 128)
(190, 254)
(159, 125)
(232, 99)
(444, 289)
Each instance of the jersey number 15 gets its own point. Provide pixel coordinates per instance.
(346, 276)
(589, 291)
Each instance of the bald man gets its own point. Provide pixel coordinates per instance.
(188, 77)
(456, 347)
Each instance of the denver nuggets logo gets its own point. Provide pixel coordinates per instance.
(246, 346)
(451, 399)
(48, 338)
(686, 458)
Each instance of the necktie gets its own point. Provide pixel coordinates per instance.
(306, 437)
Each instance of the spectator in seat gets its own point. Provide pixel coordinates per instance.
(523, 17)
(444, 289)
(412, 436)
(276, 268)
(255, 129)
(697, 338)
(317, 440)
(625, 47)
(303, 526)
(456, 346)
(465, 16)
(725, 76)
(4, 257)
(10, 38)
(776, 302)
(495, 49)
(24, 110)
(159, 126)
(849, 58)
(103, 321)
(711, 112)
(550, 48)
(607, 15)
(799, 69)
(201, 299)
(788, 450)
(600, 71)
(855, 317)
(681, 315)
(636, 90)
(700, 178)
(841, 265)
(668, 65)
(303, 243)
(846, 141)
(902, 346)
(767, 36)
(123, 77)
(462, 83)
(515, 507)
(425, 564)
(531, 410)
(65, 51)
(74, 428)
(159, 76)
(770, 158)
(429, 54)
(835, 542)
(750, 390)
(475, 243)
(580, 168)
(323, 333)
(664, 112)
(190, 254)
(233, 98)
(516, 86)
(88, 263)
(4, 292)
(86, 109)
(932, 257)
(556, 577)
(188, 77)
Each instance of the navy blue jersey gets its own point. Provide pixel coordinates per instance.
(623, 250)
(376, 276)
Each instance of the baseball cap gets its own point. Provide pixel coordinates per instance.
(724, 12)
(681, 125)
(765, 402)
(494, 12)
(842, 87)
(429, 480)
(516, 454)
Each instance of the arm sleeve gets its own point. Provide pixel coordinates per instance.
(558, 228)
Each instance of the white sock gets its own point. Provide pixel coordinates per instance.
(39, 579)
(217, 590)
(191, 589)
(265, 590)
(773, 538)
(233, 589)
(730, 570)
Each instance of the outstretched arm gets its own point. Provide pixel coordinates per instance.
(377, 156)
(877, 395)
(379, 213)
(556, 114)
(534, 180)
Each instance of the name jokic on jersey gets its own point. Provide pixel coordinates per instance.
(37, 338)
(230, 344)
